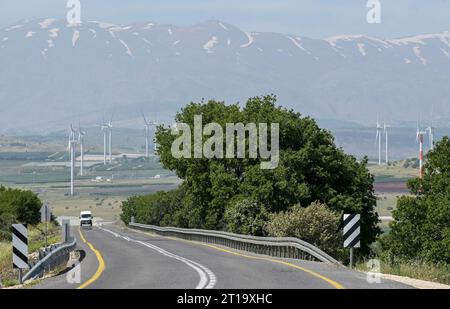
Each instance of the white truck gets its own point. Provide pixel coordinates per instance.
(86, 218)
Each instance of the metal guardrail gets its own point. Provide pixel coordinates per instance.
(285, 247)
(52, 258)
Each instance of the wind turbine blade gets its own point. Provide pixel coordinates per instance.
(145, 119)
(432, 112)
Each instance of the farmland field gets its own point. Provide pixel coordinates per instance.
(101, 189)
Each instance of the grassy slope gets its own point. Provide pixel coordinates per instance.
(8, 276)
(416, 270)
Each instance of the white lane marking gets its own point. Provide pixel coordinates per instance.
(200, 271)
(111, 232)
(207, 277)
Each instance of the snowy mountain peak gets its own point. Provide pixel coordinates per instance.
(54, 70)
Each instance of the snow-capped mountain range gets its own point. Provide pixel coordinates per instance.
(52, 72)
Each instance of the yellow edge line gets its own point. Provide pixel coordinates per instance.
(101, 263)
(312, 273)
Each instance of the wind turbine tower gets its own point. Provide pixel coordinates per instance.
(419, 137)
(146, 128)
(386, 132)
(81, 134)
(378, 138)
(71, 148)
(430, 130)
(110, 141)
(104, 127)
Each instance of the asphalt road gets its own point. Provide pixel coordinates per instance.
(115, 257)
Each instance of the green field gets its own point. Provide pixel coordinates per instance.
(396, 171)
(103, 199)
(51, 181)
(386, 202)
(390, 185)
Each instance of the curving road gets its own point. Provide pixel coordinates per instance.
(116, 257)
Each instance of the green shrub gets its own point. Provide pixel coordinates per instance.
(10, 282)
(316, 224)
(160, 208)
(246, 216)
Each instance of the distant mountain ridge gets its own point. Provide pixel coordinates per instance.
(53, 72)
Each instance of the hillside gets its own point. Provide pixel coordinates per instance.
(53, 72)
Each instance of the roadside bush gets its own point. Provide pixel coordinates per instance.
(246, 216)
(159, 208)
(17, 206)
(6, 220)
(316, 224)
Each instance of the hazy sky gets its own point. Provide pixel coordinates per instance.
(314, 18)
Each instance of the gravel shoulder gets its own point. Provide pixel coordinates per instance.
(419, 284)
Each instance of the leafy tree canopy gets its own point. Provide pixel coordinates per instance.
(311, 168)
(421, 226)
(17, 206)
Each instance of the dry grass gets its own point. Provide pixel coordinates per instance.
(416, 270)
(6, 270)
(386, 202)
(396, 171)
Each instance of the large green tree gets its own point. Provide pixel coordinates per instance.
(311, 168)
(421, 226)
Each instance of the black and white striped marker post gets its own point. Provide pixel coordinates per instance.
(352, 231)
(20, 247)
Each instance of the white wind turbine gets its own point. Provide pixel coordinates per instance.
(110, 140)
(378, 139)
(386, 132)
(419, 138)
(146, 128)
(71, 147)
(430, 130)
(81, 134)
(104, 127)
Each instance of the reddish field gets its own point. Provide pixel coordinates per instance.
(391, 187)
